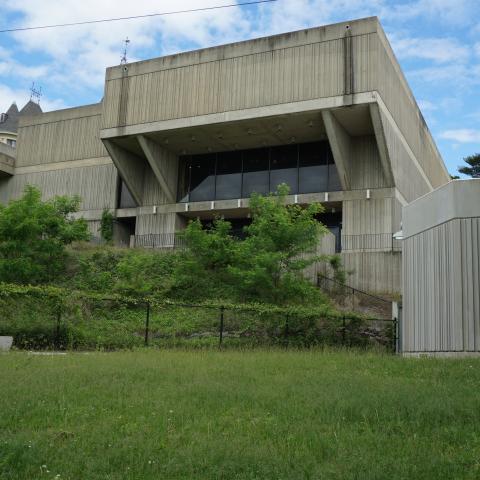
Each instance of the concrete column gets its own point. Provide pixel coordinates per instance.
(164, 165)
(341, 145)
(131, 168)
(381, 143)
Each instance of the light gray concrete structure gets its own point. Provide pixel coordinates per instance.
(333, 96)
(441, 271)
(5, 343)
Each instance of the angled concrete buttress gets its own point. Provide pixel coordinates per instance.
(381, 143)
(162, 162)
(341, 147)
(131, 168)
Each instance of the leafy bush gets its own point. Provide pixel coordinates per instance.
(106, 226)
(266, 266)
(33, 236)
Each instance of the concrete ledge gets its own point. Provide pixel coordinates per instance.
(239, 115)
(60, 115)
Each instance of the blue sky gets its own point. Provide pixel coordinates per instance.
(437, 43)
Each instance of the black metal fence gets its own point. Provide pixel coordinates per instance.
(371, 242)
(355, 300)
(85, 323)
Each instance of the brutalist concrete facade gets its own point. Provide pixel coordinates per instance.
(333, 96)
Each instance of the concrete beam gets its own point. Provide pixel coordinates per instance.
(381, 143)
(131, 168)
(340, 143)
(162, 162)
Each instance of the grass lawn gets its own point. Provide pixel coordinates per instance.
(153, 414)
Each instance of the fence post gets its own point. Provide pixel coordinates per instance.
(394, 334)
(147, 324)
(343, 330)
(57, 326)
(222, 311)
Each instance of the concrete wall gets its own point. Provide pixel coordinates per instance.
(345, 66)
(62, 154)
(441, 271)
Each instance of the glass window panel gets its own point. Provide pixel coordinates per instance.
(283, 164)
(202, 177)
(255, 182)
(255, 172)
(286, 175)
(283, 157)
(255, 160)
(313, 179)
(311, 154)
(229, 175)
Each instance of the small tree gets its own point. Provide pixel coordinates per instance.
(273, 256)
(33, 236)
(473, 170)
(106, 226)
(268, 264)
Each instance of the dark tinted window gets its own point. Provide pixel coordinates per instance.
(313, 171)
(306, 168)
(283, 164)
(202, 178)
(255, 171)
(229, 175)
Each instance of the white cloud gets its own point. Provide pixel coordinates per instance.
(439, 50)
(77, 56)
(462, 135)
(458, 12)
(460, 75)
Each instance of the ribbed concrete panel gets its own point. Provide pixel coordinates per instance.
(374, 271)
(407, 176)
(325, 247)
(395, 92)
(366, 170)
(95, 185)
(60, 138)
(367, 217)
(246, 81)
(94, 228)
(441, 288)
(164, 224)
(441, 271)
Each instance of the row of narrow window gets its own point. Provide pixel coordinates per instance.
(306, 168)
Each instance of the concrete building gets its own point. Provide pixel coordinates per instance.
(326, 110)
(441, 271)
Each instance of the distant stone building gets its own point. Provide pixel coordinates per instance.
(9, 121)
(326, 110)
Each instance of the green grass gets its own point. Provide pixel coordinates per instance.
(238, 415)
